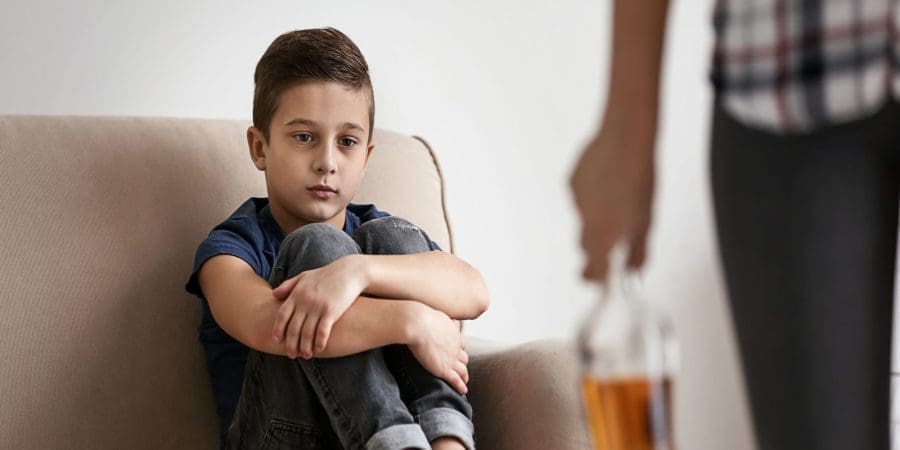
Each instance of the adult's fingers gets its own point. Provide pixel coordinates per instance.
(597, 240)
(464, 357)
(638, 246)
(596, 270)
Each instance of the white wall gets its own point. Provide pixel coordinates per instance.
(506, 91)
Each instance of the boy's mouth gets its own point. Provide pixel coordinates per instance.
(322, 191)
(323, 187)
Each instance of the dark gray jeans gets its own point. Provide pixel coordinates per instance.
(378, 399)
(807, 230)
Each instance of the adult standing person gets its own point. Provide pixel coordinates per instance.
(804, 164)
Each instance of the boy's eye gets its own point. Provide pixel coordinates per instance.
(303, 137)
(347, 142)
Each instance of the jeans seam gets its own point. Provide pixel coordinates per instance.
(408, 384)
(326, 391)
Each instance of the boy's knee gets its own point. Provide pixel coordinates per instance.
(391, 236)
(316, 245)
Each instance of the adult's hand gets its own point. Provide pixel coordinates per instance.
(613, 190)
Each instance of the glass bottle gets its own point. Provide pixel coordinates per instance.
(629, 358)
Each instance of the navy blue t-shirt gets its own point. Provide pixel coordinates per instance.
(251, 234)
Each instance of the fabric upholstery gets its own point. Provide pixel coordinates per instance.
(100, 220)
(526, 396)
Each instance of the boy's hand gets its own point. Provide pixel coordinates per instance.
(438, 345)
(313, 301)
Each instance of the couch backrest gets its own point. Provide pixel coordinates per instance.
(100, 219)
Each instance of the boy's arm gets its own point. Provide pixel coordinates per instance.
(437, 279)
(243, 305)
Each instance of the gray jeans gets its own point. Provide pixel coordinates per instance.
(378, 399)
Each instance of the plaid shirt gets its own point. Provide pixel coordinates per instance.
(797, 65)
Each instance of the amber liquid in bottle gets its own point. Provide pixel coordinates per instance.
(629, 414)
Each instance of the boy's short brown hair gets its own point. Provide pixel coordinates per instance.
(320, 54)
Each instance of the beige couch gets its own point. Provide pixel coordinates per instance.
(101, 217)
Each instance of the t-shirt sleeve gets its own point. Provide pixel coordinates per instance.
(222, 242)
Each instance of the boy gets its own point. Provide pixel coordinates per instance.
(358, 295)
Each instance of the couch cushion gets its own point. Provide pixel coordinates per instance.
(101, 217)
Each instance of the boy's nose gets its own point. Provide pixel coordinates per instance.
(325, 162)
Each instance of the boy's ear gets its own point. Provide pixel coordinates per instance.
(369, 150)
(257, 144)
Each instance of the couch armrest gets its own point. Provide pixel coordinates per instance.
(526, 396)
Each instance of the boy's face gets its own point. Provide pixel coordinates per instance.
(317, 152)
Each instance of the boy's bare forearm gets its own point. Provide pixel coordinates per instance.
(245, 307)
(371, 323)
(437, 279)
(368, 323)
